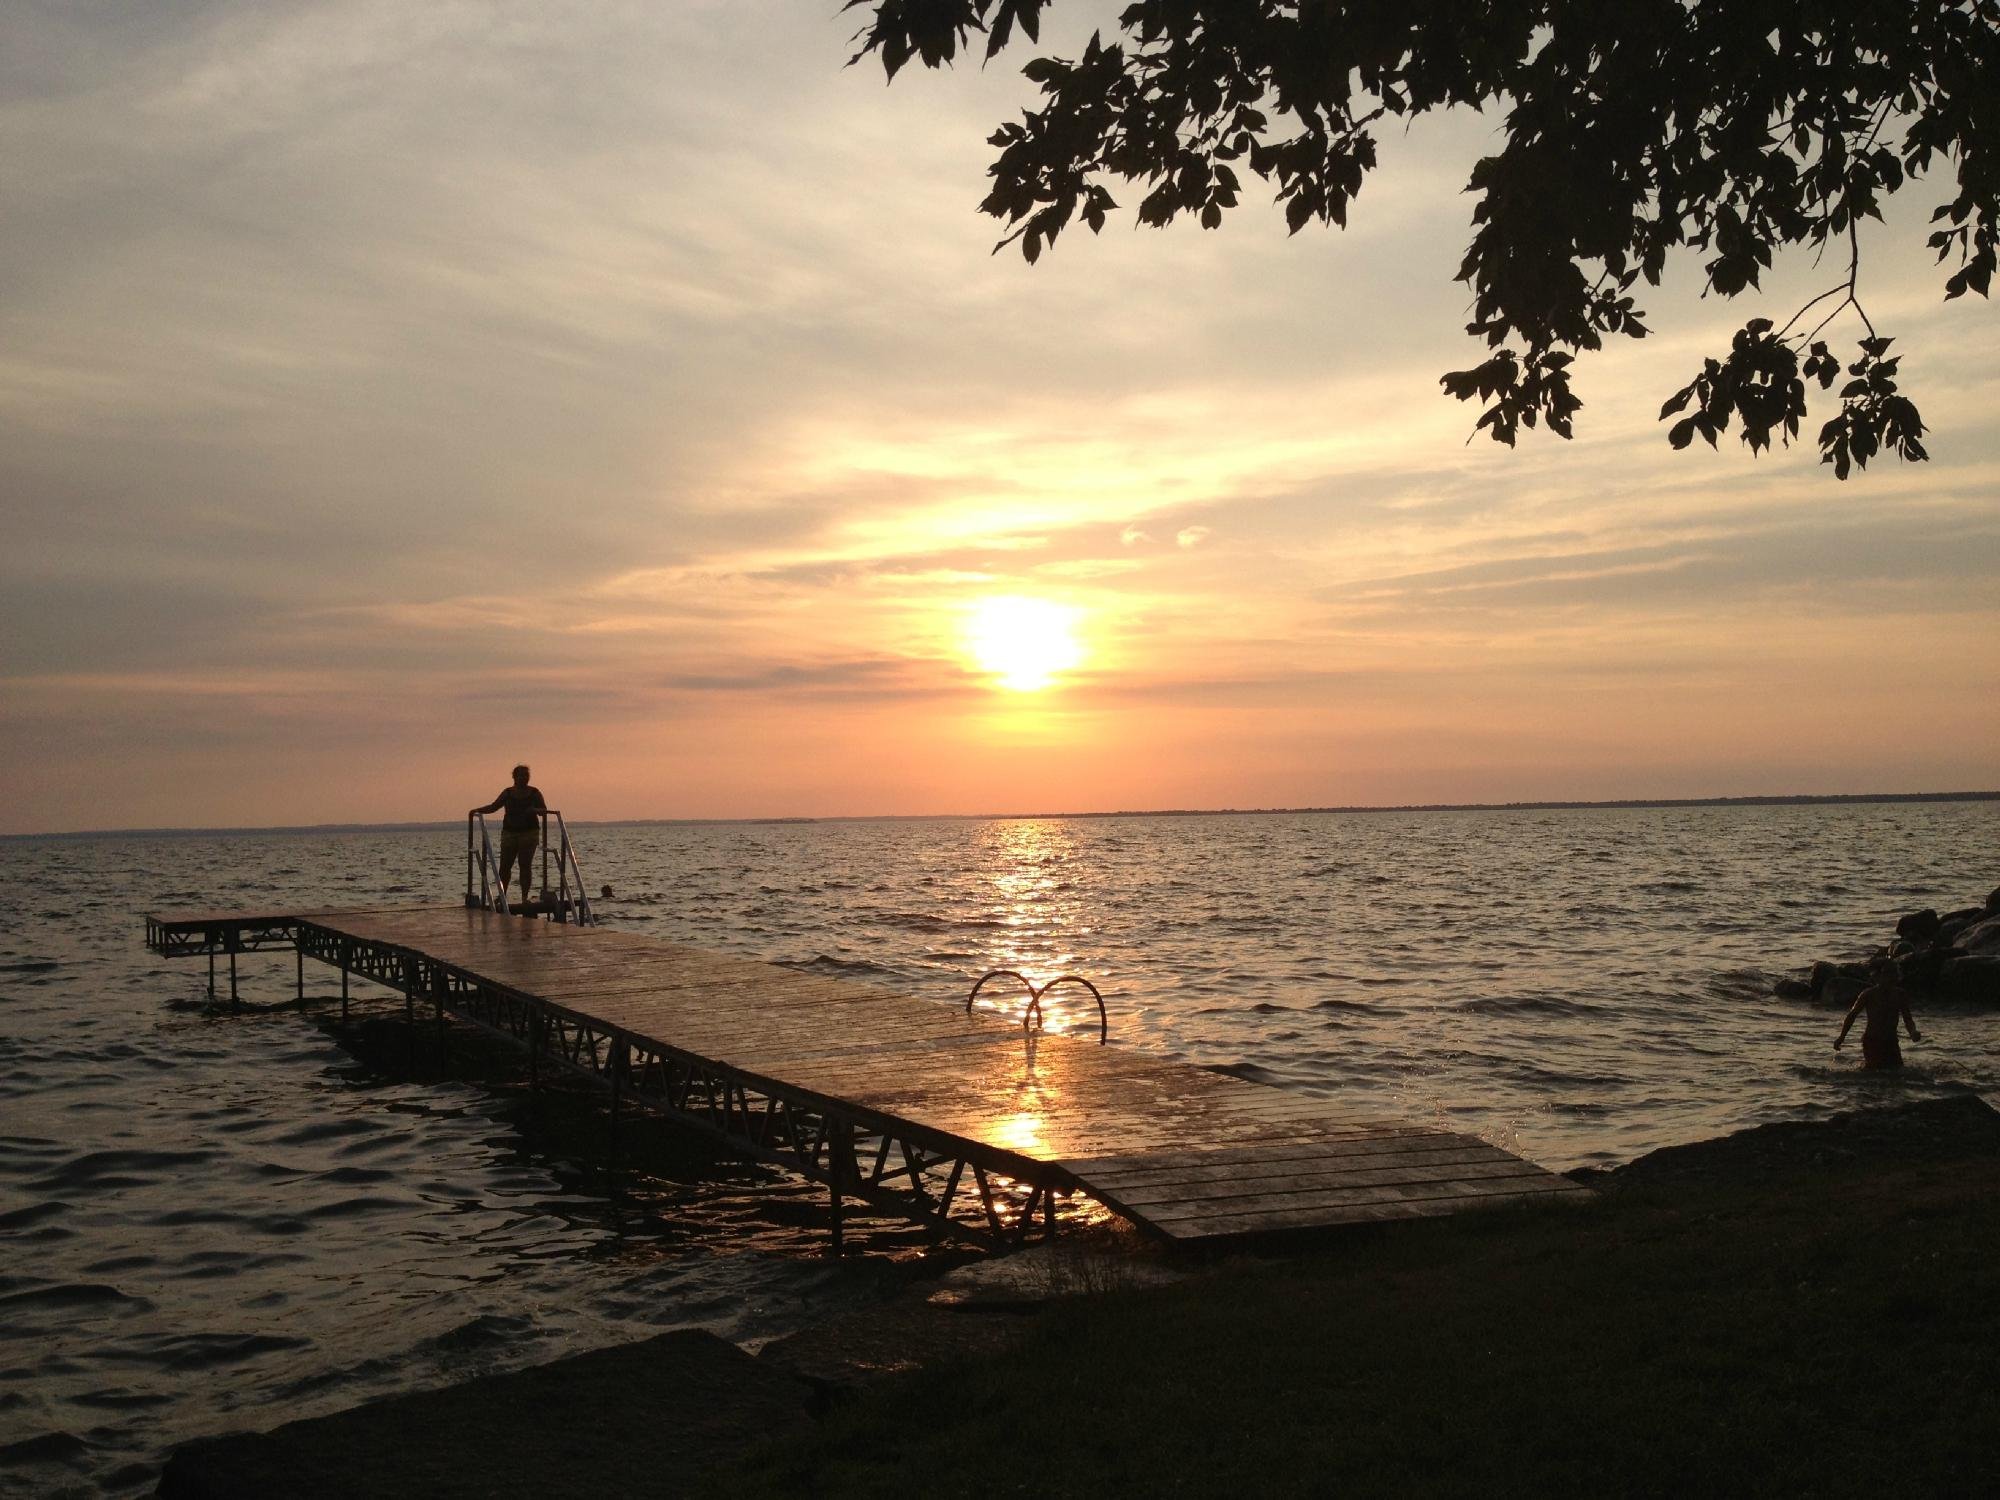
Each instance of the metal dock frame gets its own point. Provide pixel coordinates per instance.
(952, 1186)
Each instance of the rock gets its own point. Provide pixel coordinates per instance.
(1981, 937)
(1047, 1272)
(1993, 901)
(1822, 974)
(1918, 926)
(1792, 989)
(1901, 949)
(1970, 981)
(1922, 971)
(1841, 990)
(1965, 914)
(1949, 930)
(586, 1425)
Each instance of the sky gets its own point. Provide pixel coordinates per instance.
(392, 393)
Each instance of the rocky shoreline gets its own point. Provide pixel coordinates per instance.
(674, 1414)
(1953, 957)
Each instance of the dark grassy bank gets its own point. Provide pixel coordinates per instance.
(1800, 1309)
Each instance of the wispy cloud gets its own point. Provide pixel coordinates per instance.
(633, 383)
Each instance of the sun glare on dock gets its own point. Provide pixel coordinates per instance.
(1025, 644)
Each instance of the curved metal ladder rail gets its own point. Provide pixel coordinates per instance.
(1032, 1018)
(483, 869)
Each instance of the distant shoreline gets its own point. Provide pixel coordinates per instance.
(1834, 799)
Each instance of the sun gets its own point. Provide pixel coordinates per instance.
(1025, 643)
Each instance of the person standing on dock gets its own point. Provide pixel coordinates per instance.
(1886, 1002)
(520, 829)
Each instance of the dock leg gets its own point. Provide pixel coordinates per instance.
(444, 1061)
(211, 976)
(343, 993)
(300, 954)
(836, 1170)
(409, 1028)
(235, 1001)
(619, 1056)
(535, 1050)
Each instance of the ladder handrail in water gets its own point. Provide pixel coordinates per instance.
(482, 870)
(1032, 1017)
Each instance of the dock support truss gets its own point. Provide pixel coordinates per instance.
(953, 1187)
(214, 940)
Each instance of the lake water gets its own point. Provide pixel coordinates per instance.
(211, 1221)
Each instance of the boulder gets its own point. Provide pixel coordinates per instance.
(1981, 937)
(1964, 914)
(1923, 970)
(1993, 901)
(1951, 927)
(1792, 989)
(1970, 981)
(1842, 990)
(1821, 975)
(1918, 926)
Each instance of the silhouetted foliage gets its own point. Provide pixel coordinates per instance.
(1732, 128)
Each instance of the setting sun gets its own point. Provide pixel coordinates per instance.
(1024, 643)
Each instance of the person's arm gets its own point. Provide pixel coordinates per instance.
(1909, 1024)
(494, 806)
(1852, 1011)
(540, 801)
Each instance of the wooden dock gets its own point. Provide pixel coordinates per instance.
(967, 1122)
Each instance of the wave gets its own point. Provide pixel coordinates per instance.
(826, 963)
(102, 1171)
(1533, 1005)
(920, 921)
(67, 1297)
(1740, 984)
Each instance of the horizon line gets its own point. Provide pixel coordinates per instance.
(1773, 799)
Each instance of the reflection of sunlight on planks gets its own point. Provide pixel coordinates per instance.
(962, 1119)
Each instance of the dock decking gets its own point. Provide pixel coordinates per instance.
(963, 1121)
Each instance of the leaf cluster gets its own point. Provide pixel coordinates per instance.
(1634, 130)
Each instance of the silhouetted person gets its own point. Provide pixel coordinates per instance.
(520, 829)
(1885, 1001)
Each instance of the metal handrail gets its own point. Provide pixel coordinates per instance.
(1103, 1017)
(482, 868)
(1032, 1018)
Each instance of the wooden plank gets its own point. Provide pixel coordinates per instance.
(1338, 1198)
(1251, 1177)
(1519, 1192)
(1163, 1201)
(1355, 1150)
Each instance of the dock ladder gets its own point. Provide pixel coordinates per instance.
(563, 898)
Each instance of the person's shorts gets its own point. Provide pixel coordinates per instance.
(521, 841)
(1881, 1051)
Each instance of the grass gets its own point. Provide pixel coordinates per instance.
(1824, 1331)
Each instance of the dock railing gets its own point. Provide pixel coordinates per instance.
(564, 897)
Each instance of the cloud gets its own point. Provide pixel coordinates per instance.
(875, 679)
(621, 367)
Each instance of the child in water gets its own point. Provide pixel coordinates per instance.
(1884, 1000)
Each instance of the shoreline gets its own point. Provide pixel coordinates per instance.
(1723, 1230)
(1800, 799)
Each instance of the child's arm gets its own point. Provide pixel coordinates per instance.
(1852, 1011)
(1909, 1024)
